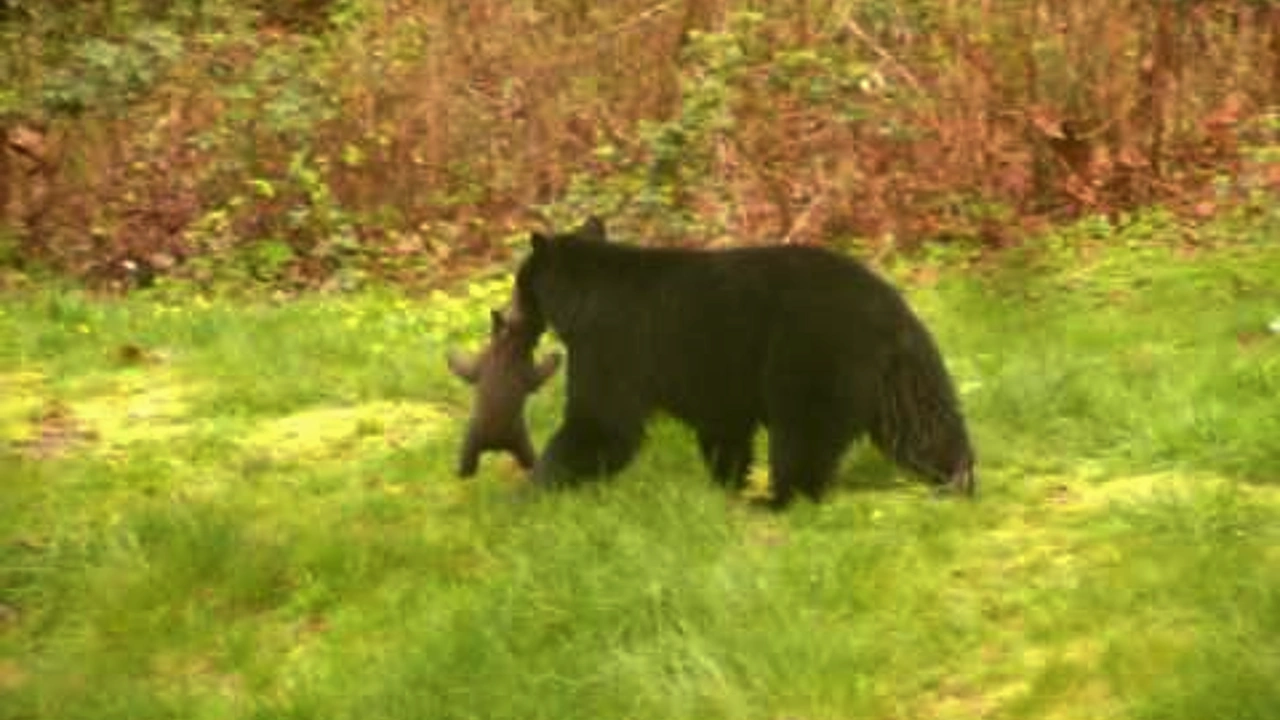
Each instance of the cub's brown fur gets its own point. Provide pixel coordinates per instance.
(504, 375)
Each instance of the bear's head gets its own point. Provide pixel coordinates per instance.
(549, 263)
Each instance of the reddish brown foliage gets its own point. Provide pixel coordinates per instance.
(977, 119)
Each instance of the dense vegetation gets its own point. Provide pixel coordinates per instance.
(333, 141)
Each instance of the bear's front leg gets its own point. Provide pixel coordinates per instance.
(728, 457)
(582, 449)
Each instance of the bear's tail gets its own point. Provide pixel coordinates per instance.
(918, 421)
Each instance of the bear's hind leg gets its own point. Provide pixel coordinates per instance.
(801, 460)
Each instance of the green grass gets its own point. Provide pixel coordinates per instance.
(260, 520)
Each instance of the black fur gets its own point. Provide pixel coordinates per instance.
(809, 343)
(504, 375)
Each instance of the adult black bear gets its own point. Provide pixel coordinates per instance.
(809, 343)
(504, 375)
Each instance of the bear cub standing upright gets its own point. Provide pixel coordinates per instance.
(504, 375)
(806, 342)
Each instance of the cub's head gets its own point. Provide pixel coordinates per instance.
(508, 357)
(510, 352)
(508, 337)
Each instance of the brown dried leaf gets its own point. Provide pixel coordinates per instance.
(1047, 121)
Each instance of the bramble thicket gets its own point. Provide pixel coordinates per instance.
(328, 143)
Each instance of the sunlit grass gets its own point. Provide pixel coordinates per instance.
(255, 516)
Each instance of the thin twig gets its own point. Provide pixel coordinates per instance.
(885, 56)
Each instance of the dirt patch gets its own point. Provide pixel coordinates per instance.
(138, 406)
(12, 676)
(20, 398)
(54, 430)
(338, 431)
(96, 414)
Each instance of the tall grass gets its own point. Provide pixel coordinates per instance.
(259, 519)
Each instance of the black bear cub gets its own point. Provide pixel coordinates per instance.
(504, 375)
(806, 342)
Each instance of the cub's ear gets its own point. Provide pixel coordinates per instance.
(538, 241)
(592, 229)
(496, 321)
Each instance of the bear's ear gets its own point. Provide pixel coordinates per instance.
(496, 321)
(538, 241)
(592, 229)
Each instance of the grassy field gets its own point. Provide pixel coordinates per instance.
(246, 509)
